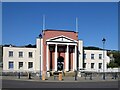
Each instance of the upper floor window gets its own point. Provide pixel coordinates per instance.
(92, 56)
(20, 54)
(84, 56)
(11, 65)
(62, 49)
(30, 54)
(10, 53)
(92, 65)
(100, 56)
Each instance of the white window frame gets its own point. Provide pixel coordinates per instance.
(20, 54)
(10, 53)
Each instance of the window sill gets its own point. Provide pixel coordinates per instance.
(30, 57)
(11, 57)
(20, 57)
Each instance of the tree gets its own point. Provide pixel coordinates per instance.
(112, 64)
(116, 61)
(92, 48)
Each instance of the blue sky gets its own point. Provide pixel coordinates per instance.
(22, 22)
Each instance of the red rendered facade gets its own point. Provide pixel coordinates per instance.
(47, 34)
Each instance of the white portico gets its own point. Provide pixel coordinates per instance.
(65, 47)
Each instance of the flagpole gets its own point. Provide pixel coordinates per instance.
(76, 24)
(43, 22)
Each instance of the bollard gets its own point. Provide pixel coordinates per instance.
(43, 76)
(112, 75)
(90, 76)
(60, 76)
(103, 76)
(115, 75)
(63, 73)
(19, 75)
(85, 75)
(75, 75)
(29, 75)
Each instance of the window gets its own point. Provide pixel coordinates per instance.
(51, 48)
(11, 65)
(30, 54)
(84, 65)
(100, 56)
(92, 56)
(92, 65)
(61, 49)
(20, 65)
(10, 53)
(30, 65)
(84, 56)
(100, 65)
(20, 54)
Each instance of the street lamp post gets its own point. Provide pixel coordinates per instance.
(40, 36)
(103, 58)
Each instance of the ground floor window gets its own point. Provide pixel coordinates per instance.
(20, 65)
(100, 65)
(11, 65)
(92, 65)
(30, 65)
(84, 65)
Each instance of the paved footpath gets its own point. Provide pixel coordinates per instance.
(65, 79)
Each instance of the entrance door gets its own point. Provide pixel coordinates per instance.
(60, 63)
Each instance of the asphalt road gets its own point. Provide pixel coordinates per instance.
(33, 84)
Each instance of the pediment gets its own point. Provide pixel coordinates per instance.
(61, 39)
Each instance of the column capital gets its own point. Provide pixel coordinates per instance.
(47, 44)
(67, 44)
(75, 45)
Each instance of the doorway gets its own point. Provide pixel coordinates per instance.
(60, 63)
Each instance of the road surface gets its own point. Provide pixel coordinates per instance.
(34, 84)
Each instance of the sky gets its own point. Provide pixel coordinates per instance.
(23, 22)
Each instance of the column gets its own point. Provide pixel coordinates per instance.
(75, 58)
(55, 57)
(80, 55)
(47, 57)
(67, 59)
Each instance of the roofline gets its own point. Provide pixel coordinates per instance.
(62, 36)
(18, 47)
(92, 50)
(13, 46)
(59, 30)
